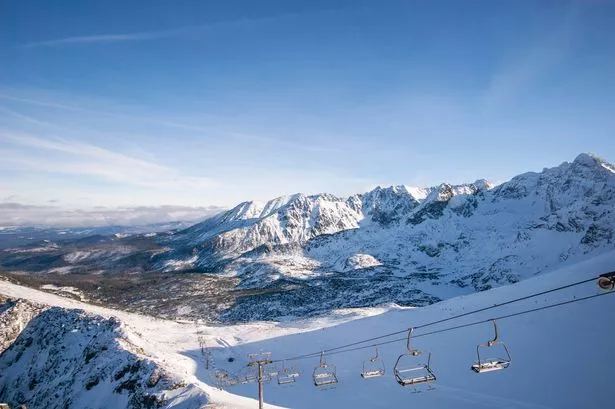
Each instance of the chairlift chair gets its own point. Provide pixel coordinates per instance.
(287, 376)
(373, 367)
(225, 379)
(324, 374)
(251, 376)
(499, 356)
(411, 369)
(271, 370)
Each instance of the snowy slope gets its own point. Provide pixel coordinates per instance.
(561, 356)
(67, 358)
(95, 357)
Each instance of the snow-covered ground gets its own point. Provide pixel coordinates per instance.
(174, 345)
(561, 357)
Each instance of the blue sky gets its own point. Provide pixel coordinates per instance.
(199, 103)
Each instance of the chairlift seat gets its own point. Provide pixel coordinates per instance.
(372, 374)
(285, 379)
(414, 376)
(490, 365)
(325, 379)
(324, 376)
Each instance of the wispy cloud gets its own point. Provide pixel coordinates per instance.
(171, 123)
(159, 34)
(79, 158)
(110, 38)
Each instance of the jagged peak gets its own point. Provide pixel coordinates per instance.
(592, 160)
(255, 209)
(417, 194)
(587, 159)
(483, 184)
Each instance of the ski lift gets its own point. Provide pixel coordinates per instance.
(411, 369)
(324, 374)
(500, 358)
(287, 376)
(373, 367)
(225, 379)
(251, 376)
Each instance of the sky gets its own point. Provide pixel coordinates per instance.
(143, 104)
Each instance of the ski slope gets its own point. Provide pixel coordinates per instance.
(561, 357)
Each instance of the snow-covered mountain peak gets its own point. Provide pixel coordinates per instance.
(588, 159)
(484, 184)
(594, 162)
(387, 204)
(418, 193)
(256, 209)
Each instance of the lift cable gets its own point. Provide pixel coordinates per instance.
(343, 348)
(471, 324)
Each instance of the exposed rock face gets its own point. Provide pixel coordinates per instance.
(14, 317)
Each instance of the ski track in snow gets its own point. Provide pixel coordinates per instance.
(560, 356)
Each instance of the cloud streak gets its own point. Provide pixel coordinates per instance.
(159, 34)
(167, 123)
(111, 38)
(76, 158)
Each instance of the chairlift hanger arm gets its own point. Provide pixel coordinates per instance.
(497, 334)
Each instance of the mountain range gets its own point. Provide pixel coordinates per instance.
(302, 255)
